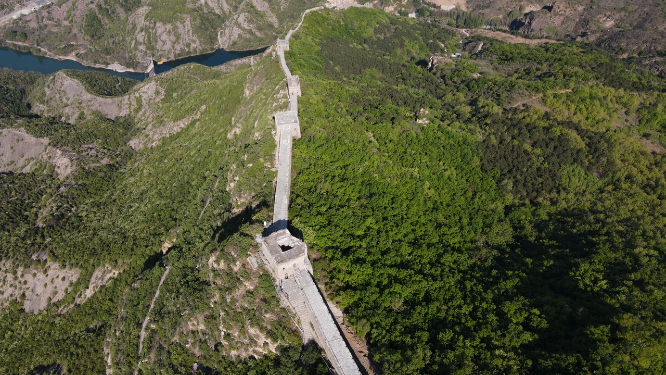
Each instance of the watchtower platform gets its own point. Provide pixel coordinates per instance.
(294, 86)
(283, 44)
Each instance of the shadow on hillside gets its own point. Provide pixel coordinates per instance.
(550, 284)
(152, 261)
(233, 224)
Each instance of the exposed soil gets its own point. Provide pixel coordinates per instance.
(653, 147)
(35, 286)
(19, 152)
(65, 97)
(151, 137)
(9, 6)
(450, 4)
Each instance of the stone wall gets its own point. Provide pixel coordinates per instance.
(326, 330)
(286, 254)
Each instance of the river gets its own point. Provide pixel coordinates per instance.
(17, 60)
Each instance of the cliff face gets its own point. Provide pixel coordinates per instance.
(130, 32)
(560, 19)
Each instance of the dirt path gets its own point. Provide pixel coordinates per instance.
(538, 96)
(208, 200)
(507, 38)
(142, 335)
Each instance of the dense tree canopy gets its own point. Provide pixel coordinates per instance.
(499, 213)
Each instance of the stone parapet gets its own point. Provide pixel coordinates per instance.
(288, 120)
(282, 188)
(327, 334)
(283, 44)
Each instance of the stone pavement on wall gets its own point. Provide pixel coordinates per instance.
(282, 188)
(286, 256)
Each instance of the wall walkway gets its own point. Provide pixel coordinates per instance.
(286, 256)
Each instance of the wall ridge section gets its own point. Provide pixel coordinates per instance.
(287, 256)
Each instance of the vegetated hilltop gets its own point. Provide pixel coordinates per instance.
(172, 173)
(500, 212)
(130, 32)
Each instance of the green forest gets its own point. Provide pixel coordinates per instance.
(502, 212)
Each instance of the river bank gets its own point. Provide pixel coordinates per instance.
(27, 61)
(29, 48)
(46, 53)
(31, 58)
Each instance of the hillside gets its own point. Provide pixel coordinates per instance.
(629, 29)
(130, 32)
(498, 213)
(168, 183)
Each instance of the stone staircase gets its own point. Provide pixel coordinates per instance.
(296, 299)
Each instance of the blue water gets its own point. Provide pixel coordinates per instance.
(17, 60)
(216, 58)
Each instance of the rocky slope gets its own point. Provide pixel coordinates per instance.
(130, 32)
(185, 185)
(626, 28)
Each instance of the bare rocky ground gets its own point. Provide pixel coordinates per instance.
(35, 287)
(10, 6)
(100, 277)
(65, 97)
(451, 4)
(21, 152)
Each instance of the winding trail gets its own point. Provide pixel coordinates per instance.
(208, 200)
(142, 335)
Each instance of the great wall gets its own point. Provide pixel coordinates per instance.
(286, 256)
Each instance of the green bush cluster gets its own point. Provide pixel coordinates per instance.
(20, 36)
(13, 86)
(92, 25)
(102, 84)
